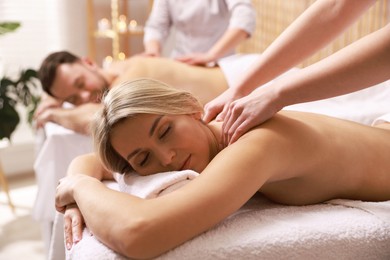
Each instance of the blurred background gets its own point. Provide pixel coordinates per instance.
(83, 27)
(53, 25)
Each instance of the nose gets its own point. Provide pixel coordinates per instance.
(166, 156)
(85, 96)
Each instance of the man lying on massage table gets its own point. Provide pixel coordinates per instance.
(79, 81)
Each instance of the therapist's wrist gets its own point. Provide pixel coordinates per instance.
(280, 96)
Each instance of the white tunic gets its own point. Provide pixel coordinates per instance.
(198, 24)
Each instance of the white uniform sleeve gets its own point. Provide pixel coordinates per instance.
(159, 22)
(243, 15)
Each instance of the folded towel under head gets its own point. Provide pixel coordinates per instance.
(155, 185)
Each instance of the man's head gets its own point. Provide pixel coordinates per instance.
(71, 79)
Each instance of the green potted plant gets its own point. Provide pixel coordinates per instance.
(21, 91)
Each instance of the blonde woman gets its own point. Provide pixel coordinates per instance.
(148, 127)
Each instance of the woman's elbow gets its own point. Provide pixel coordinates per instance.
(135, 240)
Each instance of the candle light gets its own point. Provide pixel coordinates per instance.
(107, 62)
(122, 24)
(121, 56)
(103, 24)
(134, 27)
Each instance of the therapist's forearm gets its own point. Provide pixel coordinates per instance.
(360, 65)
(315, 28)
(229, 41)
(153, 47)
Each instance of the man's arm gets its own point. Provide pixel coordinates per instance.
(77, 119)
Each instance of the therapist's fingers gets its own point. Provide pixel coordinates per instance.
(237, 122)
(242, 125)
(211, 111)
(229, 119)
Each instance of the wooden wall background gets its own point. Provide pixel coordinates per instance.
(273, 16)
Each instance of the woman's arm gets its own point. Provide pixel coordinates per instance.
(141, 228)
(73, 219)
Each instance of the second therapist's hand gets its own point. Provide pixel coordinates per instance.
(248, 112)
(199, 59)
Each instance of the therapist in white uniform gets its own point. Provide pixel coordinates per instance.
(205, 30)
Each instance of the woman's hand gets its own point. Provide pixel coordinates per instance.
(245, 113)
(65, 190)
(73, 225)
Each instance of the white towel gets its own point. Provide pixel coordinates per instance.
(382, 119)
(155, 185)
(264, 230)
(379, 209)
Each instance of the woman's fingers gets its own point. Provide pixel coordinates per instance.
(73, 226)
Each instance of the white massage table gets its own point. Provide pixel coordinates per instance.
(338, 229)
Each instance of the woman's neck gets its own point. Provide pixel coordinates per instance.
(215, 138)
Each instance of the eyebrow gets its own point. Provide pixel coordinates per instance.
(76, 82)
(154, 125)
(152, 129)
(132, 154)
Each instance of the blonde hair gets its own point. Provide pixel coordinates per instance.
(142, 96)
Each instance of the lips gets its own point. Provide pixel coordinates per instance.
(186, 164)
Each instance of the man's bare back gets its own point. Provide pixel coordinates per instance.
(205, 83)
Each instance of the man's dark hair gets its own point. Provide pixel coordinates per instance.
(47, 71)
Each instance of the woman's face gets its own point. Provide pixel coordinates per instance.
(155, 143)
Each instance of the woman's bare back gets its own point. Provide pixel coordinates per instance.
(322, 158)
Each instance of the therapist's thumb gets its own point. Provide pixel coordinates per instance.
(210, 113)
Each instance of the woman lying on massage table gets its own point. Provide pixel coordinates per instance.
(146, 126)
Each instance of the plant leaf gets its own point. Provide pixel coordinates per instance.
(7, 27)
(9, 119)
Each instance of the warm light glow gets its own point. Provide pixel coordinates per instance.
(133, 24)
(107, 62)
(122, 24)
(103, 24)
(121, 56)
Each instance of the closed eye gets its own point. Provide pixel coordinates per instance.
(166, 132)
(145, 160)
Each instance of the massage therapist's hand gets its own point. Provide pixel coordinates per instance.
(199, 59)
(66, 188)
(218, 107)
(73, 225)
(247, 112)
